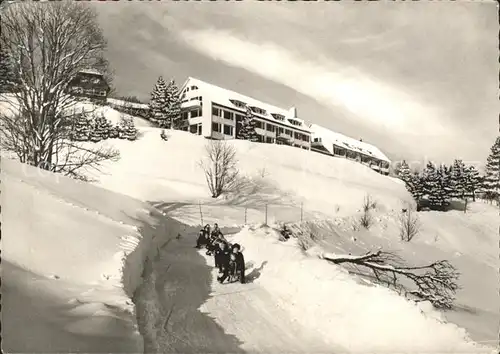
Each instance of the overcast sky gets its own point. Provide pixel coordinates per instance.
(417, 79)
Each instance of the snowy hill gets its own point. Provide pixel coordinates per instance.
(294, 301)
(331, 191)
(72, 256)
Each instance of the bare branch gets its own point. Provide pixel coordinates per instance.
(219, 167)
(436, 282)
(49, 43)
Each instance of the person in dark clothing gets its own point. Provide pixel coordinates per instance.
(239, 263)
(230, 272)
(202, 239)
(222, 258)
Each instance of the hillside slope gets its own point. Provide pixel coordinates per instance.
(332, 191)
(72, 257)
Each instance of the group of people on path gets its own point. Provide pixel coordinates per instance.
(228, 257)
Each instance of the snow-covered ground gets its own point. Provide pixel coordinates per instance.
(72, 256)
(294, 302)
(168, 174)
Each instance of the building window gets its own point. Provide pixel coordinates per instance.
(193, 128)
(216, 127)
(195, 113)
(259, 110)
(269, 140)
(184, 115)
(193, 88)
(278, 116)
(305, 137)
(288, 132)
(239, 104)
(239, 117)
(216, 111)
(258, 124)
(228, 115)
(228, 130)
(280, 130)
(270, 127)
(296, 135)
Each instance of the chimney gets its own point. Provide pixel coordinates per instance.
(293, 112)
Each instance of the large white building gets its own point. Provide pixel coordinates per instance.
(213, 112)
(335, 144)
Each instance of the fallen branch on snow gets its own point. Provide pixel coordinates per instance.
(436, 282)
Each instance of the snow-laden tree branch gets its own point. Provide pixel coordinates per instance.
(47, 44)
(436, 282)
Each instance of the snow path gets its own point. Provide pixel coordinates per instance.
(212, 317)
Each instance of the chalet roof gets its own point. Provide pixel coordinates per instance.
(90, 71)
(333, 138)
(227, 98)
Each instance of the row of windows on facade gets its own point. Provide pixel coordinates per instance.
(353, 154)
(93, 92)
(242, 105)
(217, 112)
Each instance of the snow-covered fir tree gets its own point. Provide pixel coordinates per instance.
(158, 104)
(472, 181)
(429, 179)
(440, 188)
(491, 183)
(417, 186)
(81, 128)
(404, 173)
(173, 107)
(114, 132)
(8, 79)
(446, 182)
(458, 179)
(247, 127)
(101, 128)
(127, 129)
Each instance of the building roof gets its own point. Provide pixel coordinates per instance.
(333, 138)
(90, 71)
(227, 97)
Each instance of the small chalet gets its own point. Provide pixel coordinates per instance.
(90, 84)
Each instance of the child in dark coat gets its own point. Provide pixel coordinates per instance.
(222, 257)
(202, 239)
(239, 263)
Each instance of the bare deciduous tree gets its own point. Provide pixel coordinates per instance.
(436, 282)
(409, 225)
(49, 43)
(366, 218)
(219, 166)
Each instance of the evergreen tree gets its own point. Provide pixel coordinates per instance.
(247, 127)
(127, 129)
(405, 173)
(491, 184)
(458, 179)
(158, 104)
(82, 127)
(429, 179)
(101, 128)
(8, 79)
(472, 181)
(114, 132)
(173, 108)
(417, 189)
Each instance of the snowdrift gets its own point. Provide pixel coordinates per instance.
(325, 299)
(72, 258)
